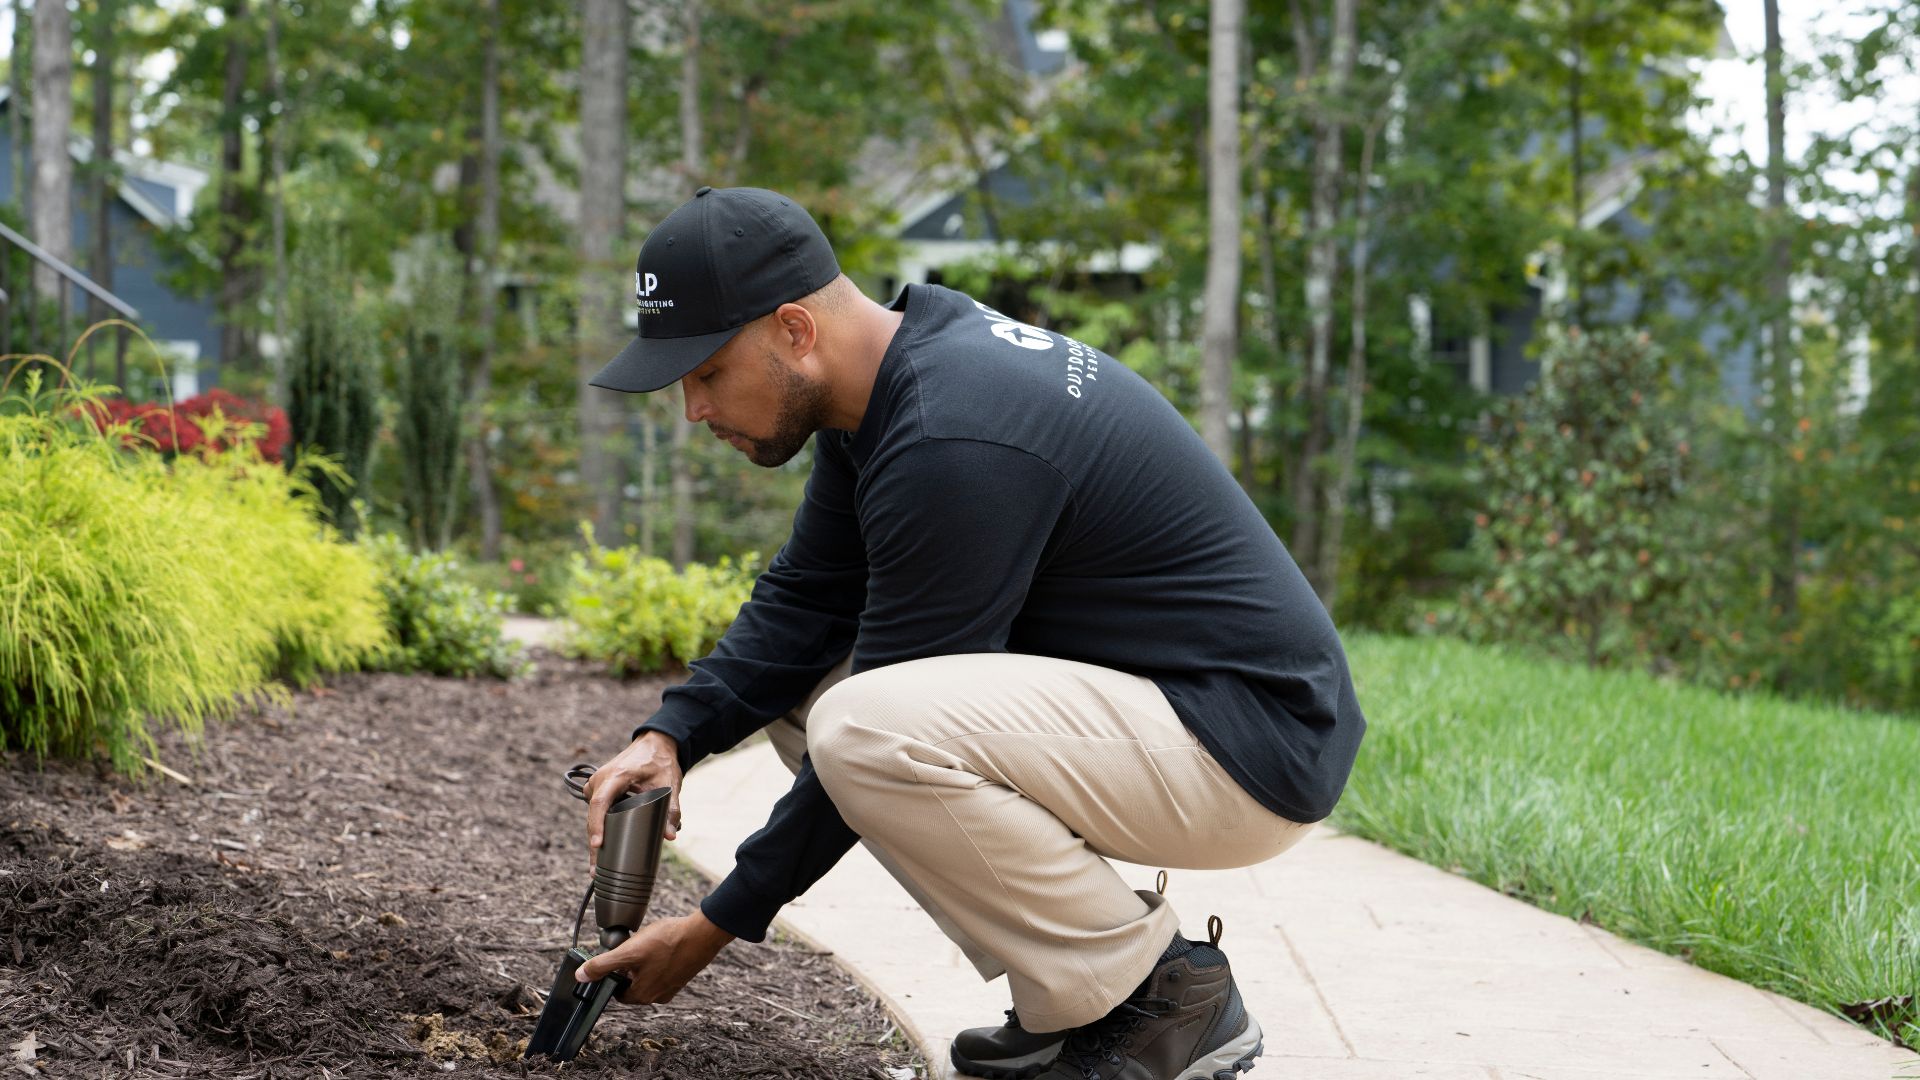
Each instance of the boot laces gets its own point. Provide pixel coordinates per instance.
(1098, 1043)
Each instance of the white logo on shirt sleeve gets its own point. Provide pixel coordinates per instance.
(1019, 333)
(1083, 362)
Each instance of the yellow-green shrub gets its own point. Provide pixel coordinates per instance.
(637, 614)
(131, 587)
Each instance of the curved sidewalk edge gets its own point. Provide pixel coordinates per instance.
(1360, 964)
(530, 630)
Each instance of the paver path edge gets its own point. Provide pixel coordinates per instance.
(1360, 964)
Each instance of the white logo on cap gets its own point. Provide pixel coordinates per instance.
(652, 283)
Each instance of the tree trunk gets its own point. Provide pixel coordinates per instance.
(22, 62)
(278, 167)
(1342, 492)
(1913, 254)
(1785, 502)
(102, 263)
(1276, 334)
(1322, 267)
(603, 157)
(1220, 333)
(1247, 447)
(233, 276)
(52, 165)
(692, 153)
(1576, 272)
(486, 292)
(649, 486)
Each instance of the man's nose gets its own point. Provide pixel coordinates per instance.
(694, 404)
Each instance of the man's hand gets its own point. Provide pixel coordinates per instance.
(650, 761)
(660, 958)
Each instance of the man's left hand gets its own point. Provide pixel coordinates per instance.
(660, 957)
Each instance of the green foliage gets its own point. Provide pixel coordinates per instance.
(138, 588)
(1768, 840)
(636, 614)
(533, 575)
(440, 622)
(430, 397)
(1580, 475)
(331, 395)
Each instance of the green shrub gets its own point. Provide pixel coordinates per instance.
(636, 614)
(533, 574)
(1583, 476)
(431, 400)
(136, 588)
(332, 405)
(440, 623)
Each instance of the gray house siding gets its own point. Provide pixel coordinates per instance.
(139, 271)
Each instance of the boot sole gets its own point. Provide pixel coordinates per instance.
(1233, 1058)
(1014, 1068)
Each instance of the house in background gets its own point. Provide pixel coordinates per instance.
(950, 224)
(947, 218)
(150, 197)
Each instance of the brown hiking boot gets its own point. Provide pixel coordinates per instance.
(1184, 1022)
(1007, 1052)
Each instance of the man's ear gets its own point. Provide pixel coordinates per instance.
(795, 332)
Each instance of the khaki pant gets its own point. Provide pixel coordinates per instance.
(995, 786)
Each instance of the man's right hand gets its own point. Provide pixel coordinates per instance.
(650, 761)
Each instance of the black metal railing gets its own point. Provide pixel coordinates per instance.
(75, 278)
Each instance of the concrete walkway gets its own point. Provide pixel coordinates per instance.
(530, 630)
(1360, 964)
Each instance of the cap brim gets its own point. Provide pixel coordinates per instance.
(647, 364)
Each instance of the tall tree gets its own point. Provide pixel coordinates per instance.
(1347, 451)
(19, 62)
(277, 177)
(1323, 260)
(1221, 326)
(234, 269)
(52, 218)
(1577, 156)
(603, 156)
(101, 267)
(1784, 407)
(692, 163)
(486, 290)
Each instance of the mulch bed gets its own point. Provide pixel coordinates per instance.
(379, 882)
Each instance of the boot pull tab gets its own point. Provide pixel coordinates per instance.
(1214, 929)
(1160, 883)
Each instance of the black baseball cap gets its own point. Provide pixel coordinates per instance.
(720, 260)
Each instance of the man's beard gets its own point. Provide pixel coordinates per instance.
(803, 411)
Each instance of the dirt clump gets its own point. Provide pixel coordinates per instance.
(443, 1045)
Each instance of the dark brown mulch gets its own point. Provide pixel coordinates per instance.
(377, 883)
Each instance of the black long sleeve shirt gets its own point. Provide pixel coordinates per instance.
(1014, 490)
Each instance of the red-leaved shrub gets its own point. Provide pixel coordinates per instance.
(179, 430)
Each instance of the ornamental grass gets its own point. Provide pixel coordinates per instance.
(137, 587)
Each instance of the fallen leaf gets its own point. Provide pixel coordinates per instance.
(171, 773)
(1883, 1009)
(26, 1049)
(127, 841)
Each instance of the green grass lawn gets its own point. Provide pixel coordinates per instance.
(1772, 841)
